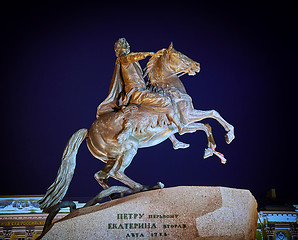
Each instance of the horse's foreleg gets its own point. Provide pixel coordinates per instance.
(120, 176)
(198, 115)
(211, 143)
(192, 127)
(177, 144)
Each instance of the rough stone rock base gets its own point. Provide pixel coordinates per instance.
(192, 212)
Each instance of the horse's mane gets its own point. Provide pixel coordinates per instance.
(151, 63)
(157, 77)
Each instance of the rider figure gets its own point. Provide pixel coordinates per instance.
(128, 86)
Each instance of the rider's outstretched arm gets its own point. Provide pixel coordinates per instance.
(134, 57)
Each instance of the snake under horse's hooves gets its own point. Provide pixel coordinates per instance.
(112, 193)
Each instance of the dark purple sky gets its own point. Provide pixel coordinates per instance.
(58, 60)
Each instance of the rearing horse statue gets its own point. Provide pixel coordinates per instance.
(144, 128)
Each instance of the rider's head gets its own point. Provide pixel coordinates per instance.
(121, 47)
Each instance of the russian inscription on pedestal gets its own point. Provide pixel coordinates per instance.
(132, 225)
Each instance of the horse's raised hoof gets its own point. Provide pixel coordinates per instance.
(229, 137)
(180, 145)
(208, 153)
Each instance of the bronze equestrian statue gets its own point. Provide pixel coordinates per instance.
(137, 115)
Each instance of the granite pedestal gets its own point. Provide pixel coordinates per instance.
(186, 212)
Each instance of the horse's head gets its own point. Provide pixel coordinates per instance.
(166, 66)
(180, 63)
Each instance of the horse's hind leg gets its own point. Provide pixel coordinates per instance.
(102, 176)
(122, 162)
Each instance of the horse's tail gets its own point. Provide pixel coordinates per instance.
(58, 189)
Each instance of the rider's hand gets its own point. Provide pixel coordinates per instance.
(149, 54)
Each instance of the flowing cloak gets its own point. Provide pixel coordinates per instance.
(117, 95)
(114, 98)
